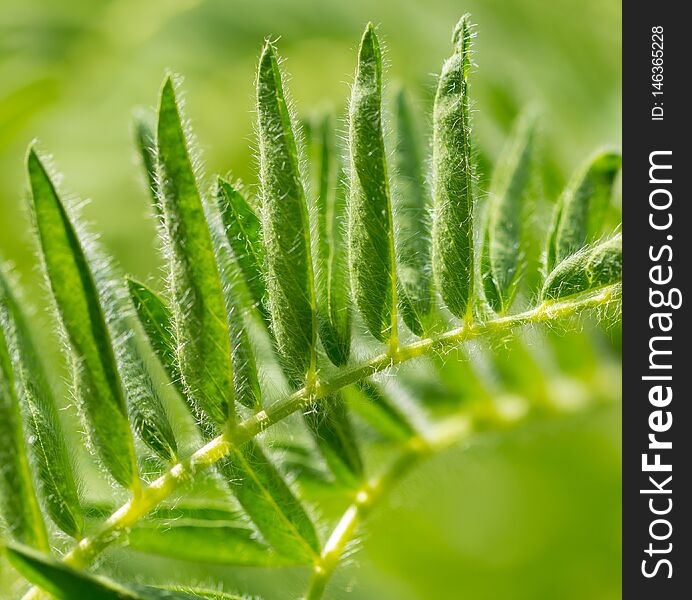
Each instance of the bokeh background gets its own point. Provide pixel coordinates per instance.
(531, 514)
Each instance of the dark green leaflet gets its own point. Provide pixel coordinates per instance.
(285, 225)
(330, 425)
(79, 306)
(210, 542)
(412, 210)
(245, 380)
(66, 583)
(201, 326)
(452, 234)
(327, 420)
(331, 279)
(243, 231)
(370, 228)
(146, 147)
(503, 232)
(157, 321)
(56, 480)
(20, 508)
(270, 503)
(581, 208)
(590, 268)
(147, 413)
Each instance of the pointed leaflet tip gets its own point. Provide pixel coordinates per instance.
(197, 300)
(462, 34)
(76, 296)
(452, 234)
(288, 261)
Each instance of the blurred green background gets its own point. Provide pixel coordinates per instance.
(533, 514)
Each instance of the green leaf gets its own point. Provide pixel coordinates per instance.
(66, 583)
(371, 403)
(580, 211)
(370, 228)
(201, 325)
(20, 509)
(245, 379)
(331, 269)
(413, 232)
(452, 234)
(208, 542)
(503, 234)
(147, 413)
(146, 148)
(270, 503)
(285, 225)
(77, 300)
(330, 425)
(195, 592)
(590, 268)
(56, 480)
(157, 322)
(243, 231)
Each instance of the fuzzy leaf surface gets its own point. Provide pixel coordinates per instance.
(285, 225)
(56, 480)
(502, 237)
(270, 503)
(79, 306)
(412, 210)
(370, 227)
(243, 231)
(20, 509)
(590, 268)
(331, 278)
(581, 209)
(201, 327)
(452, 233)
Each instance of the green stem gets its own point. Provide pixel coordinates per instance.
(158, 491)
(365, 499)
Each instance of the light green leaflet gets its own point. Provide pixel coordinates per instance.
(370, 228)
(20, 508)
(285, 225)
(66, 583)
(590, 268)
(413, 231)
(56, 481)
(270, 503)
(452, 234)
(243, 231)
(199, 313)
(580, 211)
(330, 425)
(77, 300)
(331, 278)
(212, 542)
(502, 251)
